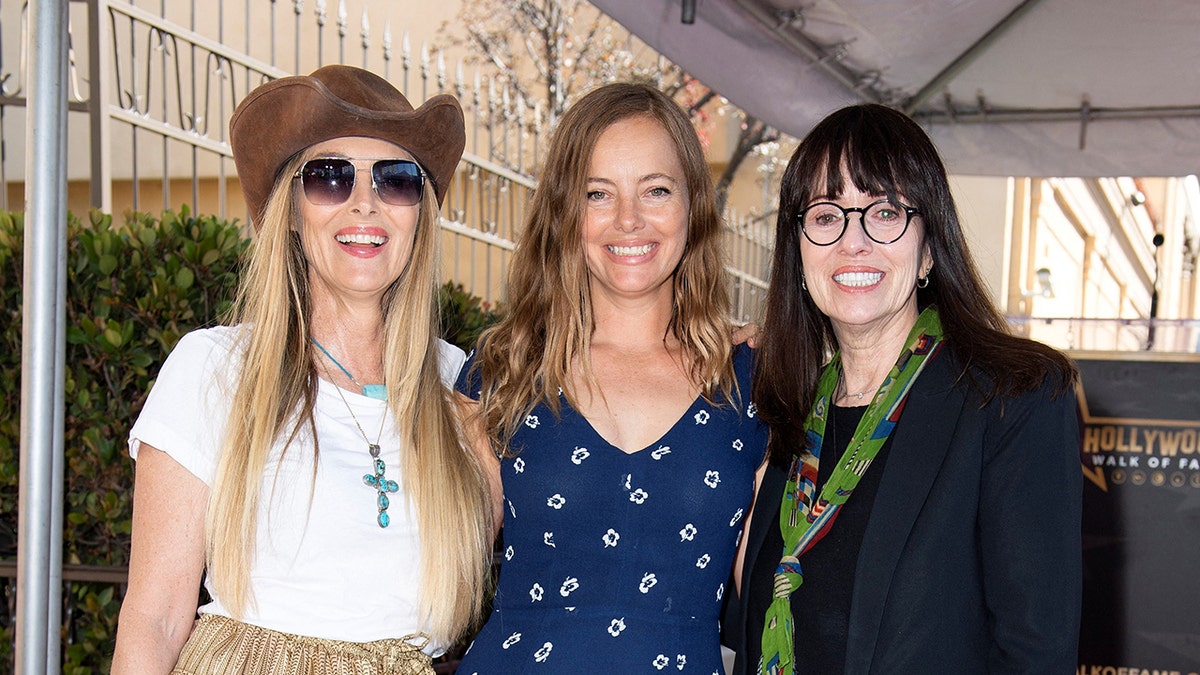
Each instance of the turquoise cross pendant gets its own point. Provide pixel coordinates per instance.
(382, 486)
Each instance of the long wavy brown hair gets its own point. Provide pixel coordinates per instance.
(884, 152)
(526, 358)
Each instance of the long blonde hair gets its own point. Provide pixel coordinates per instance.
(276, 392)
(548, 321)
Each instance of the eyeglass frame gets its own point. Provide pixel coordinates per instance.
(421, 173)
(909, 212)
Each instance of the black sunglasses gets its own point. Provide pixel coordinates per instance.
(330, 180)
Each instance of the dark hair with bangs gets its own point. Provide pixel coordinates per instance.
(883, 152)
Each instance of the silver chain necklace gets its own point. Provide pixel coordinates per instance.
(382, 485)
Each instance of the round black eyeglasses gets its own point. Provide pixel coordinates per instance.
(884, 221)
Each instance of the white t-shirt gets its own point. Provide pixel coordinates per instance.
(327, 570)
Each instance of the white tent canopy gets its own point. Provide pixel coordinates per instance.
(1005, 87)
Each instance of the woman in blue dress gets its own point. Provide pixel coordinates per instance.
(620, 413)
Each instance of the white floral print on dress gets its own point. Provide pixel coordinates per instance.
(570, 585)
(714, 446)
(737, 515)
(611, 538)
(649, 580)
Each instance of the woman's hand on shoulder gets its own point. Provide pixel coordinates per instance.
(747, 333)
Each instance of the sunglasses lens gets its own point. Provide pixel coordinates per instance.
(398, 182)
(328, 181)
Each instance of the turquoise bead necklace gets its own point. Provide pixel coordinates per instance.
(382, 485)
(375, 391)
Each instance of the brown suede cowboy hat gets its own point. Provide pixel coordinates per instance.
(283, 117)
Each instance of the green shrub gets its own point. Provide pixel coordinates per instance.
(464, 316)
(133, 289)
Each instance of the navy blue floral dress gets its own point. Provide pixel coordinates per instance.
(617, 562)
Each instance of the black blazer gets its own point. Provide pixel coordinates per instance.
(971, 560)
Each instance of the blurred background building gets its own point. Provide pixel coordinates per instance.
(1082, 263)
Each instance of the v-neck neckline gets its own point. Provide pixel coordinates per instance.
(654, 445)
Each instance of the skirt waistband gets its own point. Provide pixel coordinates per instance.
(220, 645)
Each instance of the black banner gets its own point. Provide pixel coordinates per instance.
(1141, 514)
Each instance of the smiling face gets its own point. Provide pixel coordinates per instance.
(636, 218)
(862, 286)
(358, 248)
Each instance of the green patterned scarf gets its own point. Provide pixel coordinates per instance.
(804, 523)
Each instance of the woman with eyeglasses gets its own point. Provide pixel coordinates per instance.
(921, 512)
(305, 459)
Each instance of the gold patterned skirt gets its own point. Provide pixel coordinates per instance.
(222, 646)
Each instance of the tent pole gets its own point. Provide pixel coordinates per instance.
(43, 346)
(966, 58)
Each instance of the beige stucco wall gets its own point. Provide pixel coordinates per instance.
(983, 209)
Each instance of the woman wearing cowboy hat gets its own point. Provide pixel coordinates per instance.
(306, 458)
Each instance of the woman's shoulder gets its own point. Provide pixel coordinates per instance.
(744, 357)
(224, 338)
(206, 349)
(1043, 374)
(450, 362)
(184, 413)
(984, 390)
(469, 380)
